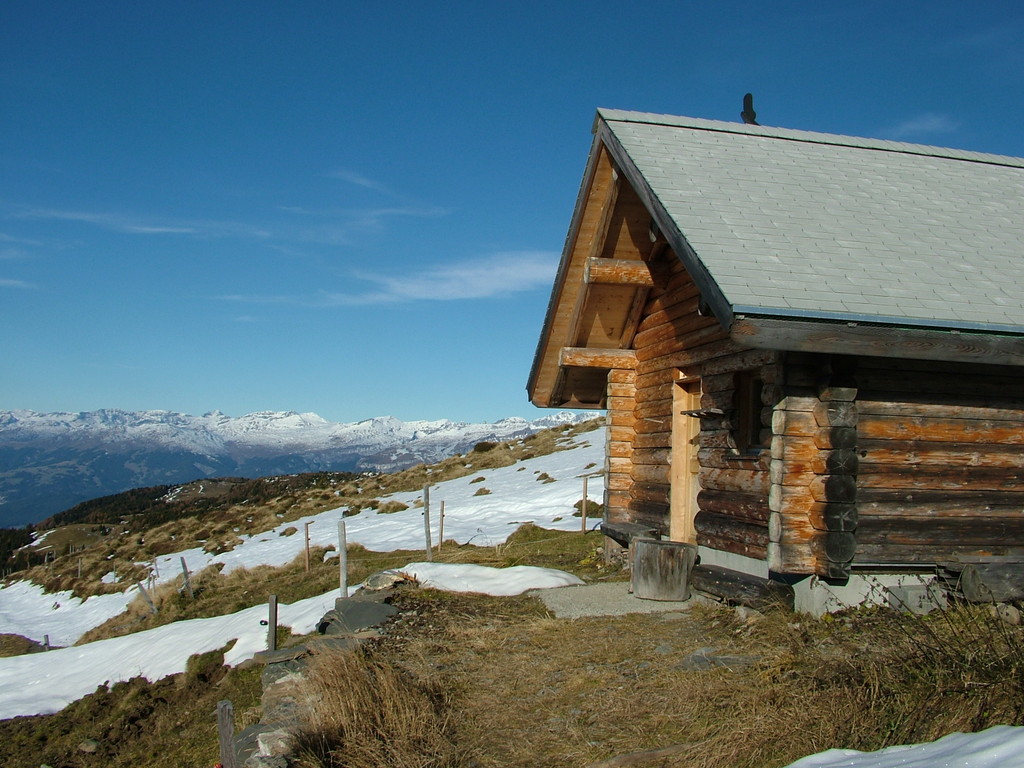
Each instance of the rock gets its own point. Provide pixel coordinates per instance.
(708, 658)
(88, 746)
(351, 615)
(276, 743)
(1006, 612)
(386, 579)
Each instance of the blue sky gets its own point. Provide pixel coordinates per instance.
(357, 208)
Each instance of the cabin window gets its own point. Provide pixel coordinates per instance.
(747, 427)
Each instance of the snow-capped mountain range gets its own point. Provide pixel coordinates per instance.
(51, 461)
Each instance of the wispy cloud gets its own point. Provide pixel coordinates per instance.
(500, 274)
(113, 221)
(143, 225)
(5, 238)
(496, 275)
(15, 284)
(922, 125)
(359, 180)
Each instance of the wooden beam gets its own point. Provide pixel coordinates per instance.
(596, 245)
(801, 335)
(585, 357)
(618, 272)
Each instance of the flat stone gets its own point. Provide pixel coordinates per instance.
(275, 673)
(708, 658)
(351, 615)
(274, 743)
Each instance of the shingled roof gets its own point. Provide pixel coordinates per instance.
(796, 240)
(797, 224)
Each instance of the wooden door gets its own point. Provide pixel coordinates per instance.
(685, 464)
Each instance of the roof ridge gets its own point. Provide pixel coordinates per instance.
(810, 137)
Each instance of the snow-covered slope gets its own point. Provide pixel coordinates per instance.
(40, 683)
(51, 461)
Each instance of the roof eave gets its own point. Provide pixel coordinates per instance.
(560, 277)
(808, 334)
(711, 294)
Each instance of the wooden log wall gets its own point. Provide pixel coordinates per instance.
(621, 433)
(672, 337)
(941, 452)
(814, 467)
(733, 500)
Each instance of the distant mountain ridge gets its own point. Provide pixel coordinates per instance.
(51, 461)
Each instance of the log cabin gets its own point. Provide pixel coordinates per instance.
(810, 348)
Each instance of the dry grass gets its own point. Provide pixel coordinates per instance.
(16, 645)
(524, 689)
(366, 713)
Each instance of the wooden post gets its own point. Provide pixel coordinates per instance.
(272, 625)
(226, 733)
(145, 596)
(426, 520)
(188, 580)
(307, 545)
(440, 535)
(342, 558)
(79, 567)
(46, 642)
(583, 507)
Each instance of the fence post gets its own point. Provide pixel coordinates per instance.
(308, 523)
(426, 521)
(272, 625)
(226, 733)
(342, 558)
(145, 596)
(188, 580)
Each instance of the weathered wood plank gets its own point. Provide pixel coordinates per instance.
(588, 357)
(659, 512)
(940, 532)
(652, 473)
(941, 430)
(723, 526)
(655, 409)
(658, 492)
(706, 332)
(737, 480)
(722, 544)
(620, 449)
(942, 478)
(691, 356)
(726, 458)
(890, 553)
(738, 588)
(949, 505)
(660, 456)
(618, 272)
(745, 507)
(918, 453)
(993, 409)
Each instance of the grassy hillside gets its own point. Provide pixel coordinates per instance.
(498, 682)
